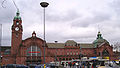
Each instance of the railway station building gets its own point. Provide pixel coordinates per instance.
(31, 49)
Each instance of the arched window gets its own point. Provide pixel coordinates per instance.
(95, 52)
(105, 53)
(67, 59)
(7, 51)
(70, 59)
(67, 53)
(33, 51)
(60, 59)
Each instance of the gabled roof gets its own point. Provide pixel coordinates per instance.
(33, 37)
(86, 45)
(55, 45)
(61, 45)
(70, 43)
(29, 38)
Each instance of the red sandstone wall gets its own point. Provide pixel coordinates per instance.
(7, 60)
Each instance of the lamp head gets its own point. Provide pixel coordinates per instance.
(44, 4)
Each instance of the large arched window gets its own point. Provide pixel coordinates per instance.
(7, 52)
(33, 51)
(105, 53)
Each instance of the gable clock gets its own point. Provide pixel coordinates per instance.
(17, 28)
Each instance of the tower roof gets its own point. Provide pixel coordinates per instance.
(99, 40)
(70, 43)
(17, 15)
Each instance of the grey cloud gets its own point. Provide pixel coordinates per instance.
(30, 6)
(80, 36)
(97, 18)
(63, 17)
(81, 23)
(31, 12)
(6, 18)
(115, 5)
(7, 14)
(85, 40)
(100, 17)
(6, 41)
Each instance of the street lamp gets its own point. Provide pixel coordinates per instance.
(80, 53)
(0, 44)
(80, 56)
(44, 5)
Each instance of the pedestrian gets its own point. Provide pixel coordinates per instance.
(88, 65)
(70, 64)
(62, 63)
(76, 65)
(94, 64)
(80, 65)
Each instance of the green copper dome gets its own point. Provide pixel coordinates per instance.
(17, 15)
(99, 40)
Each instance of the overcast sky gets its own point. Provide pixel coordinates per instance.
(78, 20)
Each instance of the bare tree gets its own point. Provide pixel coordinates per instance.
(116, 47)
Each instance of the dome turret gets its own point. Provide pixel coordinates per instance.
(70, 43)
(99, 40)
(17, 15)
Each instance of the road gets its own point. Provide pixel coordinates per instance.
(114, 66)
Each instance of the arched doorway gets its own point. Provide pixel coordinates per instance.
(33, 55)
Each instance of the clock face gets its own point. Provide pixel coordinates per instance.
(17, 28)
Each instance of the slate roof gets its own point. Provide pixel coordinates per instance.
(61, 45)
(55, 45)
(70, 42)
(86, 45)
(58, 45)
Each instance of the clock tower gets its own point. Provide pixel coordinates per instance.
(16, 34)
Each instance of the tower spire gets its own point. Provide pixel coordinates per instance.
(17, 15)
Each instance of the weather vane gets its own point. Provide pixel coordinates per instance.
(98, 27)
(2, 4)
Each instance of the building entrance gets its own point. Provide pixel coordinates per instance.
(35, 60)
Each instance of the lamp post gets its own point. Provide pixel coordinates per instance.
(80, 56)
(80, 53)
(44, 5)
(0, 44)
